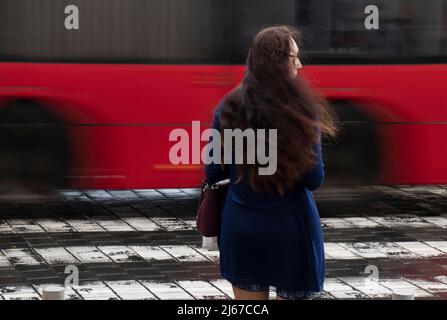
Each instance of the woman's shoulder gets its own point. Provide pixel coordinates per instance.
(227, 100)
(218, 109)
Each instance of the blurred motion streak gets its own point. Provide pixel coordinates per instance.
(93, 108)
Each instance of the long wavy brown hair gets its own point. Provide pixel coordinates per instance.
(269, 98)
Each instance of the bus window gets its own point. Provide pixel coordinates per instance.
(149, 31)
(218, 32)
(408, 30)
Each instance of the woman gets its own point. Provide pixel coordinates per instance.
(271, 233)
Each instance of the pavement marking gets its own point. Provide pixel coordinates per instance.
(336, 223)
(115, 225)
(438, 221)
(361, 222)
(224, 286)
(120, 254)
(143, 224)
(88, 254)
(19, 293)
(184, 253)
(421, 249)
(405, 284)
(150, 253)
(130, 290)
(170, 224)
(24, 226)
(84, 226)
(52, 225)
(338, 288)
(22, 257)
(4, 262)
(338, 252)
(95, 291)
(392, 221)
(402, 221)
(430, 286)
(439, 245)
(70, 294)
(126, 224)
(202, 290)
(393, 251)
(167, 291)
(191, 253)
(362, 250)
(56, 256)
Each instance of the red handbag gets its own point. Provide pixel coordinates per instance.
(209, 211)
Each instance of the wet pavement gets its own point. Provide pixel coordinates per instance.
(142, 244)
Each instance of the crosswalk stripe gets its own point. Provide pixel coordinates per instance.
(190, 253)
(127, 224)
(334, 288)
(171, 224)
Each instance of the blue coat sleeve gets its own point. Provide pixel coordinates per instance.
(215, 172)
(314, 178)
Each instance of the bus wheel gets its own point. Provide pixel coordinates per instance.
(34, 150)
(352, 160)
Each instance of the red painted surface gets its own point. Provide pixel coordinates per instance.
(120, 116)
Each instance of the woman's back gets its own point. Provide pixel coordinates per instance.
(271, 233)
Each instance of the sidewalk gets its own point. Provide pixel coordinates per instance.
(142, 244)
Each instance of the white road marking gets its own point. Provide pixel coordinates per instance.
(202, 290)
(115, 225)
(224, 286)
(144, 224)
(421, 249)
(172, 224)
(51, 225)
(120, 254)
(167, 291)
(130, 290)
(393, 250)
(362, 249)
(88, 254)
(336, 251)
(4, 262)
(19, 293)
(21, 257)
(361, 222)
(5, 228)
(184, 253)
(95, 291)
(402, 221)
(25, 226)
(438, 221)
(336, 223)
(149, 253)
(430, 286)
(70, 294)
(85, 226)
(339, 288)
(191, 253)
(439, 245)
(56, 256)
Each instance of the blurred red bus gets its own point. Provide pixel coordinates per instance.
(93, 108)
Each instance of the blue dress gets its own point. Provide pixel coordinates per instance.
(269, 240)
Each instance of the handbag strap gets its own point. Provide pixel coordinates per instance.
(216, 185)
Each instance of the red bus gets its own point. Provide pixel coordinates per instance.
(93, 107)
